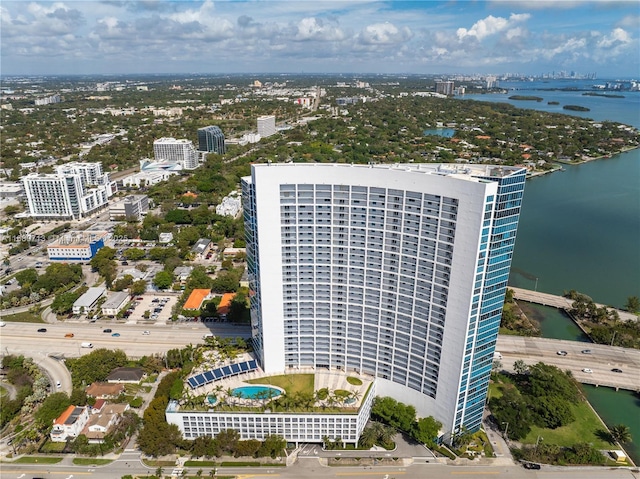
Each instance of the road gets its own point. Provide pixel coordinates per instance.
(601, 360)
(558, 301)
(311, 469)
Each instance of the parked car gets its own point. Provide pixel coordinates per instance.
(531, 465)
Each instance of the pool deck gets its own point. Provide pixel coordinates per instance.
(323, 378)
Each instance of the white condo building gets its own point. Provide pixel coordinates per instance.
(179, 151)
(397, 271)
(74, 191)
(266, 125)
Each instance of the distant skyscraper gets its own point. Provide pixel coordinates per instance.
(398, 271)
(444, 87)
(266, 125)
(74, 191)
(178, 151)
(211, 139)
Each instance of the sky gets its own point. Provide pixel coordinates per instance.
(313, 36)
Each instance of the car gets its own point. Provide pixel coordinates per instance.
(587, 370)
(562, 353)
(42, 330)
(69, 335)
(531, 465)
(146, 333)
(616, 370)
(124, 263)
(2, 324)
(116, 335)
(586, 351)
(58, 385)
(108, 330)
(140, 298)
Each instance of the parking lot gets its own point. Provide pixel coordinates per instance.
(159, 307)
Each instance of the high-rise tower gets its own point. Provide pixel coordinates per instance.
(398, 271)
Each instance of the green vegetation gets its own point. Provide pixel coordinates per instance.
(575, 108)
(291, 383)
(403, 417)
(31, 316)
(354, 381)
(95, 366)
(38, 460)
(605, 95)
(525, 98)
(90, 461)
(603, 324)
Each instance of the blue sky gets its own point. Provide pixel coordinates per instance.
(157, 36)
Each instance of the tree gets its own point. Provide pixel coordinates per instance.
(134, 254)
(163, 279)
(620, 433)
(95, 366)
(520, 367)
(633, 304)
(26, 277)
(426, 430)
(51, 408)
(138, 287)
(63, 303)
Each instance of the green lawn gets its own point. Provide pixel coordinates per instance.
(291, 383)
(91, 461)
(37, 460)
(582, 430)
(25, 317)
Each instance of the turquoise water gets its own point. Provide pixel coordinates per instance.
(580, 229)
(212, 400)
(554, 323)
(618, 407)
(255, 392)
(446, 132)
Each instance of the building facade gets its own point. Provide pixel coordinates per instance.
(266, 125)
(132, 207)
(398, 271)
(73, 192)
(69, 424)
(179, 151)
(211, 139)
(80, 246)
(445, 87)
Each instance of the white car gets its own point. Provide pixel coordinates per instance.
(2, 324)
(146, 333)
(587, 370)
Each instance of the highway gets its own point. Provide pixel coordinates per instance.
(601, 360)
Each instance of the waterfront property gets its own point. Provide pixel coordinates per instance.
(250, 403)
(395, 271)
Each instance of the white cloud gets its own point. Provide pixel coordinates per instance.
(312, 28)
(618, 36)
(384, 34)
(491, 25)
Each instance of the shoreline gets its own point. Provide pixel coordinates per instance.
(584, 160)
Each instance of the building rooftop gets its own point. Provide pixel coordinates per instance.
(196, 298)
(126, 374)
(225, 303)
(90, 297)
(201, 245)
(115, 300)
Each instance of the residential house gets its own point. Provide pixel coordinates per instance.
(182, 273)
(101, 422)
(201, 248)
(115, 303)
(105, 390)
(126, 375)
(69, 424)
(196, 298)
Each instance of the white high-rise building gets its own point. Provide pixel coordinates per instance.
(179, 151)
(266, 125)
(74, 191)
(398, 271)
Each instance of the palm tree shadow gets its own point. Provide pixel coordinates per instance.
(605, 436)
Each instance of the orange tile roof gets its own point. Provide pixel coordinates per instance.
(225, 302)
(65, 415)
(526, 156)
(483, 137)
(196, 298)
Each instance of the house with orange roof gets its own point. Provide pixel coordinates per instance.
(225, 303)
(196, 298)
(69, 424)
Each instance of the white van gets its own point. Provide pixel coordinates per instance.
(86, 345)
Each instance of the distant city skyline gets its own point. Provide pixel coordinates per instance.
(423, 37)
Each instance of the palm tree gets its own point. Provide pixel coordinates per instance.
(159, 471)
(620, 433)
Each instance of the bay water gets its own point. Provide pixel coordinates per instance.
(580, 229)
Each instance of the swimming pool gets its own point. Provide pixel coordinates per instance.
(256, 392)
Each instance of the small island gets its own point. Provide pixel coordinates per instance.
(525, 97)
(605, 95)
(576, 108)
(553, 103)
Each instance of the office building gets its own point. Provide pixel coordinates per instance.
(73, 192)
(266, 125)
(211, 139)
(177, 151)
(132, 207)
(444, 87)
(397, 271)
(79, 246)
